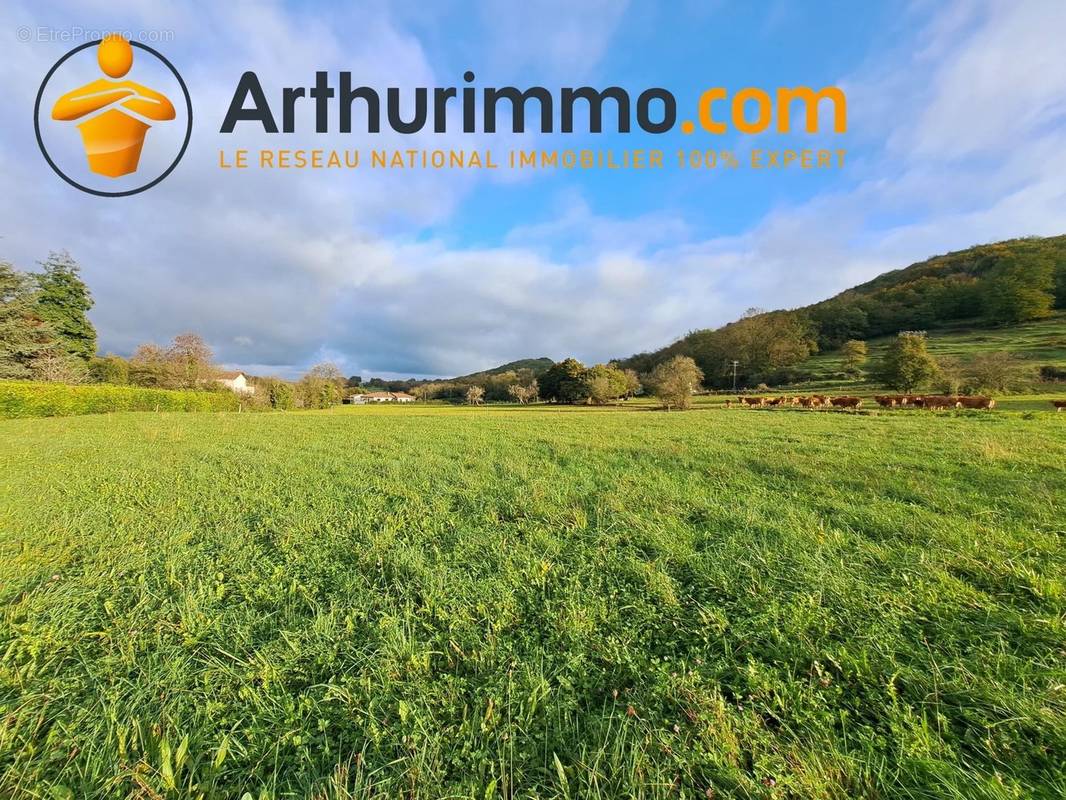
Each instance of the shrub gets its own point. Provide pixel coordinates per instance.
(29, 399)
(1051, 373)
(282, 396)
(322, 387)
(110, 369)
(997, 372)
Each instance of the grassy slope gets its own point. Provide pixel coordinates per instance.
(1039, 343)
(847, 605)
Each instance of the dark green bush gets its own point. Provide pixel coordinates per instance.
(28, 399)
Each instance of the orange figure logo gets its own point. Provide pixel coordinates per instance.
(113, 139)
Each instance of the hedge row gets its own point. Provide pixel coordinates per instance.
(27, 399)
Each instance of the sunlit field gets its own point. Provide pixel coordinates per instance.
(539, 602)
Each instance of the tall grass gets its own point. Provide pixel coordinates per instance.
(448, 602)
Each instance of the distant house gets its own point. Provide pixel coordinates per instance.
(380, 397)
(235, 382)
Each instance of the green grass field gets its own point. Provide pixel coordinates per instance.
(538, 603)
(1038, 343)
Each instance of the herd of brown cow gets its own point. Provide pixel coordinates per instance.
(932, 402)
(811, 401)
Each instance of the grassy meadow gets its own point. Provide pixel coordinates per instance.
(1038, 343)
(533, 602)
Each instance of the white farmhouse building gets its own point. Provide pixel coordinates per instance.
(381, 397)
(235, 382)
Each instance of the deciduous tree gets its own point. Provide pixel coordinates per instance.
(604, 383)
(321, 387)
(853, 352)
(564, 382)
(951, 375)
(189, 361)
(280, 394)
(148, 366)
(907, 365)
(674, 382)
(996, 372)
(523, 394)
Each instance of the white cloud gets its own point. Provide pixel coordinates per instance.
(1003, 83)
(557, 38)
(280, 270)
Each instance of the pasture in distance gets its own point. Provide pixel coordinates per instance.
(1036, 343)
(533, 602)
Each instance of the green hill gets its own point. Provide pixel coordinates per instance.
(1003, 292)
(986, 286)
(535, 366)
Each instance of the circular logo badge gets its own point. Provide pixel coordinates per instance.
(113, 117)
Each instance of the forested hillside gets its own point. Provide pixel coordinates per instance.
(534, 366)
(989, 286)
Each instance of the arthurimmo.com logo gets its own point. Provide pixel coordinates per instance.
(113, 117)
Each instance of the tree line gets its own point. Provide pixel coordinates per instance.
(673, 382)
(566, 382)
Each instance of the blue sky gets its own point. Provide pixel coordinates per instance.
(957, 135)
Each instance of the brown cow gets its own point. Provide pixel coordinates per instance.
(847, 402)
(895, 400)
(977, 402)
(753, 402)
(1059, 405)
